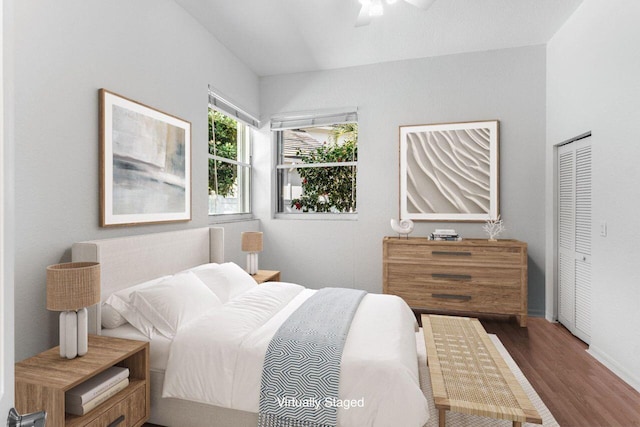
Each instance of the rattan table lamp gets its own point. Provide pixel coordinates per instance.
(71, 287)
(252, 243)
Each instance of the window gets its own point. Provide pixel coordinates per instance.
(229, 157)
(317, 163)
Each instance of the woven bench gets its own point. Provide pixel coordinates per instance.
(468, 374)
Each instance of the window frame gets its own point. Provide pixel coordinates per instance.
(246, 126)
(303, 120)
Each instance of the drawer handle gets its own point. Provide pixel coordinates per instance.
(117, 421)
(451, 253)
(451, 276)
(451, 296)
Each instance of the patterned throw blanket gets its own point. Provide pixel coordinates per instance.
(301, 371)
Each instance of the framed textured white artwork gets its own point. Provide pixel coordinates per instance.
(145, 164)
(449, 172)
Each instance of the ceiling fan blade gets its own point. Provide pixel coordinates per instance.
(422, 4)
(364, 18)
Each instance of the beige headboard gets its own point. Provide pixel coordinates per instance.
(127, 261)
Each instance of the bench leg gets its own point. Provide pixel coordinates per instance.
(517, 424)
(442, 417)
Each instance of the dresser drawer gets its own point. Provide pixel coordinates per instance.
(422, 274)
(455, 253)
(130, 410)
(461, 298)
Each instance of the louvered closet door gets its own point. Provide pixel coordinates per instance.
(574, 237)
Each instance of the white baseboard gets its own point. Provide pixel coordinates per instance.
(613, 366)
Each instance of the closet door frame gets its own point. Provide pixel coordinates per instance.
(579, 256)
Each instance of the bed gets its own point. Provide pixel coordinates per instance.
(209, 370)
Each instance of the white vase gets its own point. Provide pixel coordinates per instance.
(68, 334)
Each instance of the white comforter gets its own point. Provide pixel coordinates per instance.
(217, 359)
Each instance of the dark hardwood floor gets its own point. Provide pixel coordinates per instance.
(577, 388)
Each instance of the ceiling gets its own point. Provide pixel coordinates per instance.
(287, 36)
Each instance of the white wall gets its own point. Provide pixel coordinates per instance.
(7, 232)
(592, 84)
(508, 85)
(151, 51)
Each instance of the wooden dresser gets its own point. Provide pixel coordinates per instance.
(472, 276)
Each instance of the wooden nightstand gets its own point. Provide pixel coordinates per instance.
(266, 276)
(42, 380)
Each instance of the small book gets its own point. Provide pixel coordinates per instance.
(455, 238)
(92, 404)
(444, 235)
(83, 393)
(444, 231)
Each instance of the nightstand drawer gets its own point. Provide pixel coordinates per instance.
(131, 410)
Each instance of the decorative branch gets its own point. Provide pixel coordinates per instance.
(493, 227)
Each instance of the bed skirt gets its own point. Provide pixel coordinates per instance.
(176, 412)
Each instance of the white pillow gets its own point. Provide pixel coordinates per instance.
(117, 309)
(174, 302)
(226, 280)
(110, 317)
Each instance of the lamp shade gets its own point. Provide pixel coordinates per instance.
(73, 285)
(252, 241)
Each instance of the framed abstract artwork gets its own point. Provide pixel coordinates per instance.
(145, 164)
(449, 172)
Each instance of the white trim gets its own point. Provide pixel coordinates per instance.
(224, 105)
(315, 165)
(551, 231)
(318, 216)
(223, 218)
(305, 119)
(3, 247)
(615, 367)
(226, 160)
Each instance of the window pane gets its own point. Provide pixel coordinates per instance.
(229, 191)
(228, 188)
(337, 143)
(223, 135)
(318, 189)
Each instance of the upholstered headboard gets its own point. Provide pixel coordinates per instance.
(127, 261)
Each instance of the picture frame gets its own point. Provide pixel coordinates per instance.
(145, 164)
(450, 171)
